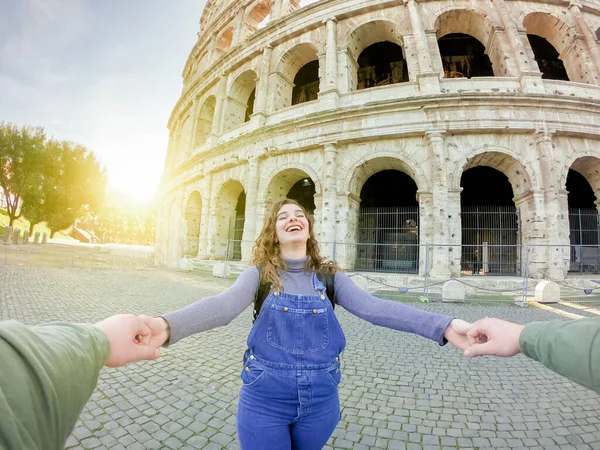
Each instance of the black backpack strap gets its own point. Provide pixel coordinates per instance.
(328, 279)
(261, 293)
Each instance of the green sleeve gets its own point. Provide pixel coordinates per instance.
(48, 374)
(570, 348)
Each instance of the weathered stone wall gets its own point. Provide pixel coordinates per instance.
(431, 128)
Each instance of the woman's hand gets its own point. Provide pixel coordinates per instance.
(161, 331)
(456, 333)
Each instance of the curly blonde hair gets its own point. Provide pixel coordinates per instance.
(267, 253)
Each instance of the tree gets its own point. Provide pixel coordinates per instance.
(21, 154)
(70, 183)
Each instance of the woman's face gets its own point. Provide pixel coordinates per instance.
(291, 225)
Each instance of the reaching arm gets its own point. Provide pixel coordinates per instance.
(50, 371)
(210, 312)
(570, 348)
(388, 313)
(48, 374)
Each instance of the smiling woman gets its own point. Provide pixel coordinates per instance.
(292, 369)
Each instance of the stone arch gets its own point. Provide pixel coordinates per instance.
(501, 159)
(239, 104)
(363, 169)
(583, 207)
(280, 181)
(283, 177)
(371, 33)
(205, 120)
(387, 228)
(588, 165)
(257, 13)
(290, 63)
(225, 216)
(476, 24)
(367, 34)
(492, 227)
(192, 219)
(224, 42)
(564, 38)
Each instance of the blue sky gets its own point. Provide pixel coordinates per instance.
(103, 73)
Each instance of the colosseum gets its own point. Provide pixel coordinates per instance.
(429, 137)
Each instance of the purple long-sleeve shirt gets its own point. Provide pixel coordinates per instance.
(219, 310)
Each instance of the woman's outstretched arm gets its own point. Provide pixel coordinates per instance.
(209, 312)
(388, 313)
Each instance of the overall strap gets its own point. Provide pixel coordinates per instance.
(264, 288)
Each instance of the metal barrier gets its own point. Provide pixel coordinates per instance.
(505, 273)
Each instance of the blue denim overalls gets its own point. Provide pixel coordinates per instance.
(289, 398)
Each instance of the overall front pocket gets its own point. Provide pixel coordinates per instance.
(298, 331)
(251, 375)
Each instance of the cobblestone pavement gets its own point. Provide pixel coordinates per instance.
(398, 391)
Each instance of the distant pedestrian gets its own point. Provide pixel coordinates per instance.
(476, 263)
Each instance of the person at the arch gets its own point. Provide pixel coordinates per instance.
(289, 397)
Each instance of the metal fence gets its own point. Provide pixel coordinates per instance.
(234, 247)
(585, 239)
(513, 281)
(490, 240)
(388, 240)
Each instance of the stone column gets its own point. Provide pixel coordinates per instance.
(426, 219)
(174, 228)
(194, 116)
(346, 233)
(251, 199)
(329, 91)
(171, 150)
(588, 36)
(520, 53)
(212, 47)
(238, 28)
(262, 87)
(261, 210)
(428, 80)
(454, 231)
(556, 219)
(529, 75)
(207, 201)
(329, 210)
(276, 9)
(437, 156)
(532, 233)
(217, 126)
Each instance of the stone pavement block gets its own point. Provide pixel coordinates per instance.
(197, 441)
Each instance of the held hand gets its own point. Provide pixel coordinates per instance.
(493, 337)
(130, 339)
(456, 333)
(160, 330)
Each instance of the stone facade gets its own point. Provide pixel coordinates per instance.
(431, 127)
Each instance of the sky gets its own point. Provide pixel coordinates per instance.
(103, 73)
